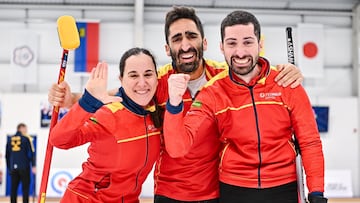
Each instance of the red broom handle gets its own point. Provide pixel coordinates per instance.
(49, 147)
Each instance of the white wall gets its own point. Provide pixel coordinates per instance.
(341, 143)
(25, 108)
(116, 36)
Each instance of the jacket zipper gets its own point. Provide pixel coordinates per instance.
(147, 154)
(258, 133)
(222, 155)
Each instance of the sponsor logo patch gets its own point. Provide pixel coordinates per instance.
(197, 104)
(269, 95)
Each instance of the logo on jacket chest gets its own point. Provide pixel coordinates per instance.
(151, 128)
(269, 95)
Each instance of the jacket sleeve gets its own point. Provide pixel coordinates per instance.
(181, 132)
(7, 154)
(306, 132)
(81, 124)
(33, 159)
(30, 150)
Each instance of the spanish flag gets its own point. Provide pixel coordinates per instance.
(87, 55)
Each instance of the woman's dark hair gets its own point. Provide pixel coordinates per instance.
(132, 52)
(157, 115)
(178, 13)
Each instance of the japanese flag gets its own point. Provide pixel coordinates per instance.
(310, 49)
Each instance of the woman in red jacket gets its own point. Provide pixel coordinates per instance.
(124, 139)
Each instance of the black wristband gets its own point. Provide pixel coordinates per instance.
(317, 199)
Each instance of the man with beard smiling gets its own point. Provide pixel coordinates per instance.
(255, 120)
(194, 177)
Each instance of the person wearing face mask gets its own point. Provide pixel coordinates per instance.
(255, 120)
(124, 136)
(194, 177)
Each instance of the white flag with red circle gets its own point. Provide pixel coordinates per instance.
(310, 49)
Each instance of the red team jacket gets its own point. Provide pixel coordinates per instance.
(255, 122)
(193, 177)
(123, 148)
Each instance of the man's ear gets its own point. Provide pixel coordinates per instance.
(222, 47)
(167, 50)
(261, 45)
(205, 44)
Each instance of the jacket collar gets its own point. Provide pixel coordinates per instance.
(132, 106)
(265, 67)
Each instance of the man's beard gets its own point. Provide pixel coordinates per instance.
(243, 70)
(187, 67)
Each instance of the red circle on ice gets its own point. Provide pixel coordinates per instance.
(310, 49)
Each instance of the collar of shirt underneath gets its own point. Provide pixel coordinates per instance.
(195, 85)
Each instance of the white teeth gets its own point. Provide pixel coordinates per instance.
(240, 61)
(141, 91)
(187, 56)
